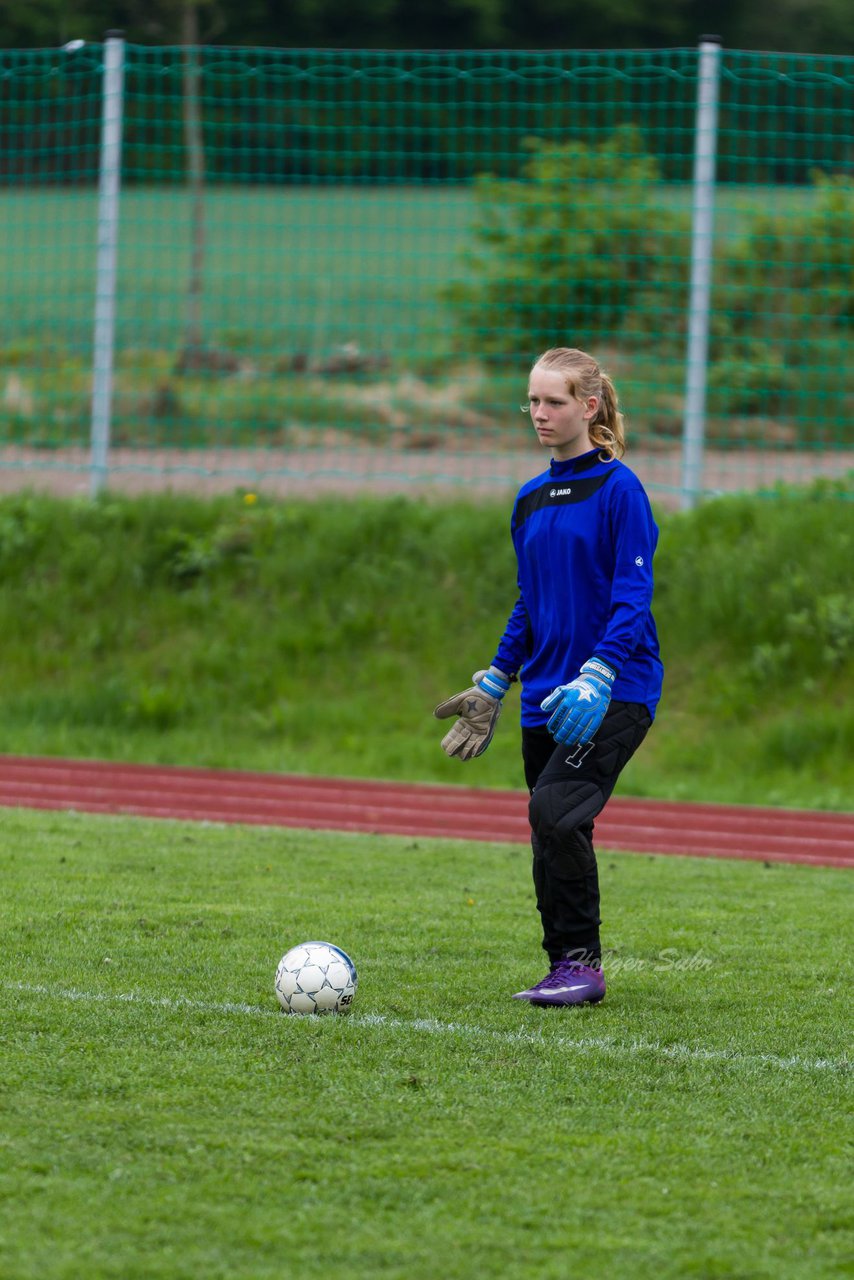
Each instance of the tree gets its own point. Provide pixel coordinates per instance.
(810, 26)
(194, 143)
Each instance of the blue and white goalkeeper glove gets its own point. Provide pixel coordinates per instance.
(478, 709)
(579, 708)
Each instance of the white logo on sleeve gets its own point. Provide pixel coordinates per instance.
(639, 561)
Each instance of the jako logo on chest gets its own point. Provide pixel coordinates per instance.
(559, 493)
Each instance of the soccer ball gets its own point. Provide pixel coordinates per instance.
(316, 977)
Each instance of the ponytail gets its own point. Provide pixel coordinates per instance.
(607, 429)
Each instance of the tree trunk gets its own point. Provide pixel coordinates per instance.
(194, 143)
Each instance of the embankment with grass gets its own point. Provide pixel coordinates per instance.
(317, 635)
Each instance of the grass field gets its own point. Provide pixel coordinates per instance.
(300, 267)
(291, 277)
(161, 1118)
(289, 274)
(288, 269)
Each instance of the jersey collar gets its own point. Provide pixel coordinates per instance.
(573, 466)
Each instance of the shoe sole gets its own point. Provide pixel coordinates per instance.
(560, 1004)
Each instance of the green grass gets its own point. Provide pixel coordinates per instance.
(288, 273)
(289, 269)
(315, 637)
(306, 264)
(296, 273)
(162, 1119)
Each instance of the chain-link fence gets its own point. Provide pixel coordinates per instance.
(294, 267)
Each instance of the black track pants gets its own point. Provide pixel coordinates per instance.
(569, 787)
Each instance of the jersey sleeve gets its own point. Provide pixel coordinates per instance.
(513, 646)
(634, 535)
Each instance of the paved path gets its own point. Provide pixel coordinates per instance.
(341, 804)
(432, 473)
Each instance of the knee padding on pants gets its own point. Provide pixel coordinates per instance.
(561, 815)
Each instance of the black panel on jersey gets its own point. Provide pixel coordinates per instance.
(559, 493)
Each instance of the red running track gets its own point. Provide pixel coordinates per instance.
(397, 808)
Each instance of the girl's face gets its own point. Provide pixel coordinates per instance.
(560, 421)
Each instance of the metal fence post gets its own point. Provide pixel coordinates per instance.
(109, 187)
(702, 250)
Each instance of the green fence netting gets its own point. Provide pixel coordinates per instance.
(336, 267)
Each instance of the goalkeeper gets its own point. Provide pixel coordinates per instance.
(584, 638)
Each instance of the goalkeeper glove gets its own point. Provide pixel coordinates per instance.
(478, 709)
(579, 708)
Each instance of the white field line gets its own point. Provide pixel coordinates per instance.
(431, 1026)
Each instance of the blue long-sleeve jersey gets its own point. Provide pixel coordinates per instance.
(584, 538)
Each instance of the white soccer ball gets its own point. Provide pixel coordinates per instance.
(316, 977)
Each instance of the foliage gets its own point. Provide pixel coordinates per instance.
(581, 234)
(809, 25)
(585, 242)
(791, 276)
(162, 1119)
(772, 574)
(282, 315)
(311, 636)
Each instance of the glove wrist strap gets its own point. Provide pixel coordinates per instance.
(596, 667)
(494, 682)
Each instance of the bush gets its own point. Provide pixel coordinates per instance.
(784, 307)
(569, 246)
(795, 269)
(584, 244)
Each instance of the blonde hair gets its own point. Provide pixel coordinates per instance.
(584, 378)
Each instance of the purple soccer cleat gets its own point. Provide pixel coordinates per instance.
(569, 982)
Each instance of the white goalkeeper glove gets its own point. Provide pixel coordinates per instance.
(478, 709)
